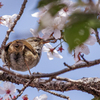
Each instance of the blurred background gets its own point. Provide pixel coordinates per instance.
(22, 31)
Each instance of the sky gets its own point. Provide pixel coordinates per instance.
(22, 31)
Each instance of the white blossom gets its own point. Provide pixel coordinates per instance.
(34, 33)
(41, 13)
(41, 97)
(54, 28)
(8, 89)
(51, 52)
(84, 48)
(65, 12)
(8, 20)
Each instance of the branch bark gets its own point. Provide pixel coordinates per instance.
(37, 75)
(15, 22)
(89, 85)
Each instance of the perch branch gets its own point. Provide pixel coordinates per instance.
(89, 85)
(36, 75)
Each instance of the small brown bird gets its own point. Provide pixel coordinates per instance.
(22, 55)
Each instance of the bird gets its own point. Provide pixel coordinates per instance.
(24, 54)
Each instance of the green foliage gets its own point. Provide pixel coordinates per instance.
(55, 5)
(45, 2)
(77, 30)
(96, 98)
(55, 8)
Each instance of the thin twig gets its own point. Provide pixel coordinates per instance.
(97, 36)
(82, 56)
(15, 22)
(67, 65)
(22, 90)
(59, 95)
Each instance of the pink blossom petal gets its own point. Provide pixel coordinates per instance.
(57, 33)
(56, 54)
(36, 14)
(5, 16)
(47, 30)
(43, 97)
(45, 49)
(91, 40)
(85, 49)
(7, 20)
(60, 26)
(13, 16)
(57, 21)
(48, 45)
(50, 55)
(9, 86)
(76, 58)
(62, 13)
(13, 89)
(6, 96)
(2, 90)
(6, 85)
(34, 33)
(36, 98)
(45, 36)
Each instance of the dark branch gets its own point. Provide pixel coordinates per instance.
(36, 75)
(97, 36)
(84, 59)
(89, 85)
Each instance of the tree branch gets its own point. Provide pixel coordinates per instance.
(37, 75)
(89, 85)
(22, 90)
(97, 36)
(15, 22)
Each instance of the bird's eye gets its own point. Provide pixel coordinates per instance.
(35, 40)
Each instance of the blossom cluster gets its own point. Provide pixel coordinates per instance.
(9, 91)
(53, 27)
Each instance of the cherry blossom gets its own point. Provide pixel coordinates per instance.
(66, 11)
(60, 49)
(7, 20)
(53, 28)
(41, 97)
(84, 48)
(42, 12)
(25, 97)
(51, 52)
(34, 33)
(8, 89)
